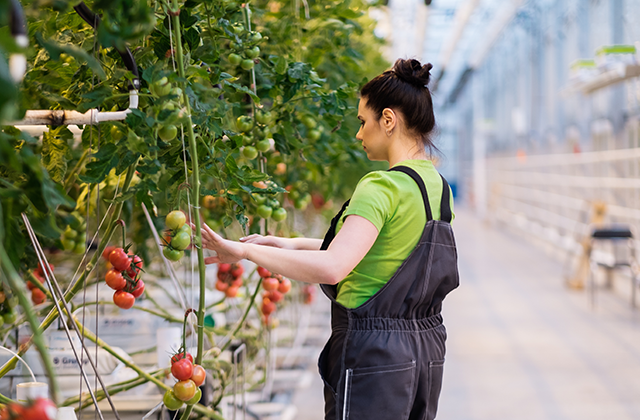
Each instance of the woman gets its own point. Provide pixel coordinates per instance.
(386, 263)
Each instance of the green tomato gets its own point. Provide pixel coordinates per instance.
(308, 121)
(314, 135)
(250, 152)
(181, 241)
(176, 91)
(252, 52)
(279, 214)
(171, 401)
(70, 233)
(168, 132)
(264, 211)
(238, 28)
(169, 106)
(244, 123)
(175, 219)
(77, 221)
(255, 36)
(264, 117)
(185, 228)
(116, 134)
(247, 64)
(260, 199)
(234, 59)
(79, 248)
(10, 317)
(273, 203)
(160, 87)
(172, 254)
(263, 145)
(68, 244)
(196, 398)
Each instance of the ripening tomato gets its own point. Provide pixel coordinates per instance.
(268, 307)
(236, 282)
(236, 270)
(136, 266)
(123, 300)
(179, 356)
(171, 401)
(40, 272)
(138, 289)
(224, 267)
(199, 374)
(196, 397)
(175, 219)
(232, 291)
(270, 284)
(274, 296)
(38, 296)
(284, 286)
(263, 272)
(185, 390)
(221, 285)
(114, 279)
(119, 259)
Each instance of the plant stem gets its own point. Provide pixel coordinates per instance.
(150, 311)
(71, 175)
(196, 181)
(17, 285)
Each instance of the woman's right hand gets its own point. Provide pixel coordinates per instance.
(269, 240)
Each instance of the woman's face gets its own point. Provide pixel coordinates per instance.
(372, 134)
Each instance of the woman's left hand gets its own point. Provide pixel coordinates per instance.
(228, 251)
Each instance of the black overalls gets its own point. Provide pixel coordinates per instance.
(384, 360)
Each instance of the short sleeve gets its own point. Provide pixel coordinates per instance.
(373, 199)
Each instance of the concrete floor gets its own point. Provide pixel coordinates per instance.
(521, 345)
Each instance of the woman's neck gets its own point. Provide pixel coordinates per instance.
(406, 149)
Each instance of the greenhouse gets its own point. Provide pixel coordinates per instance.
(280, 210)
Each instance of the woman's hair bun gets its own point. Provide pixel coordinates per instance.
(411, 71)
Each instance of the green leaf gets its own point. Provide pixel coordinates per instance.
(56, 152)
(243, 89)
(193, 38)
(105, 159)
(54, 50)
(281, 144)
(280, 64)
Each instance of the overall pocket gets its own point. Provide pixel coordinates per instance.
(379, 392)
(436, 371)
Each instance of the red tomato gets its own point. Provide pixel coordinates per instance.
(224, 268)
(236, 270)
(124, 300)
(119, 259)
(39, 272)
(232, 291)
(114, 279)
(107, 251)
(138, 290)
(185, 390)
(284, 286)
(274, 296)
(221, 285)
(136, 266)
(263, 272)
(179, 356)
(199, 375)
(236, 282)
(13, 411)
(30, 285)
(41, 409)
(270, 284)
(268, 307)
(182, 369)
(38, 296)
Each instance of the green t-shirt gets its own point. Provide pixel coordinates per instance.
(393, 203)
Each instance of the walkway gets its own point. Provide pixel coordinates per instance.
(523, 347)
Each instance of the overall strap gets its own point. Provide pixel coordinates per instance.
(445, 206)
(418, 179)
(331, 232)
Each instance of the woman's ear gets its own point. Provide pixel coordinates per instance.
(389, 119)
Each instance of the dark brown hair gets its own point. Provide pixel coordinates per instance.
(404, 88)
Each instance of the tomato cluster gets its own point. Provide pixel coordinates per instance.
(124, 276)
(74, 237)
(275, 287)
(189, 376)
(177, 237)
(268, 207)
(244, 45)
(308, 293)
(229, 278)
(37, 295)
(39, 409)
(299, 194)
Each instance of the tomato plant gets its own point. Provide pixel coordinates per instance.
(185, 390)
